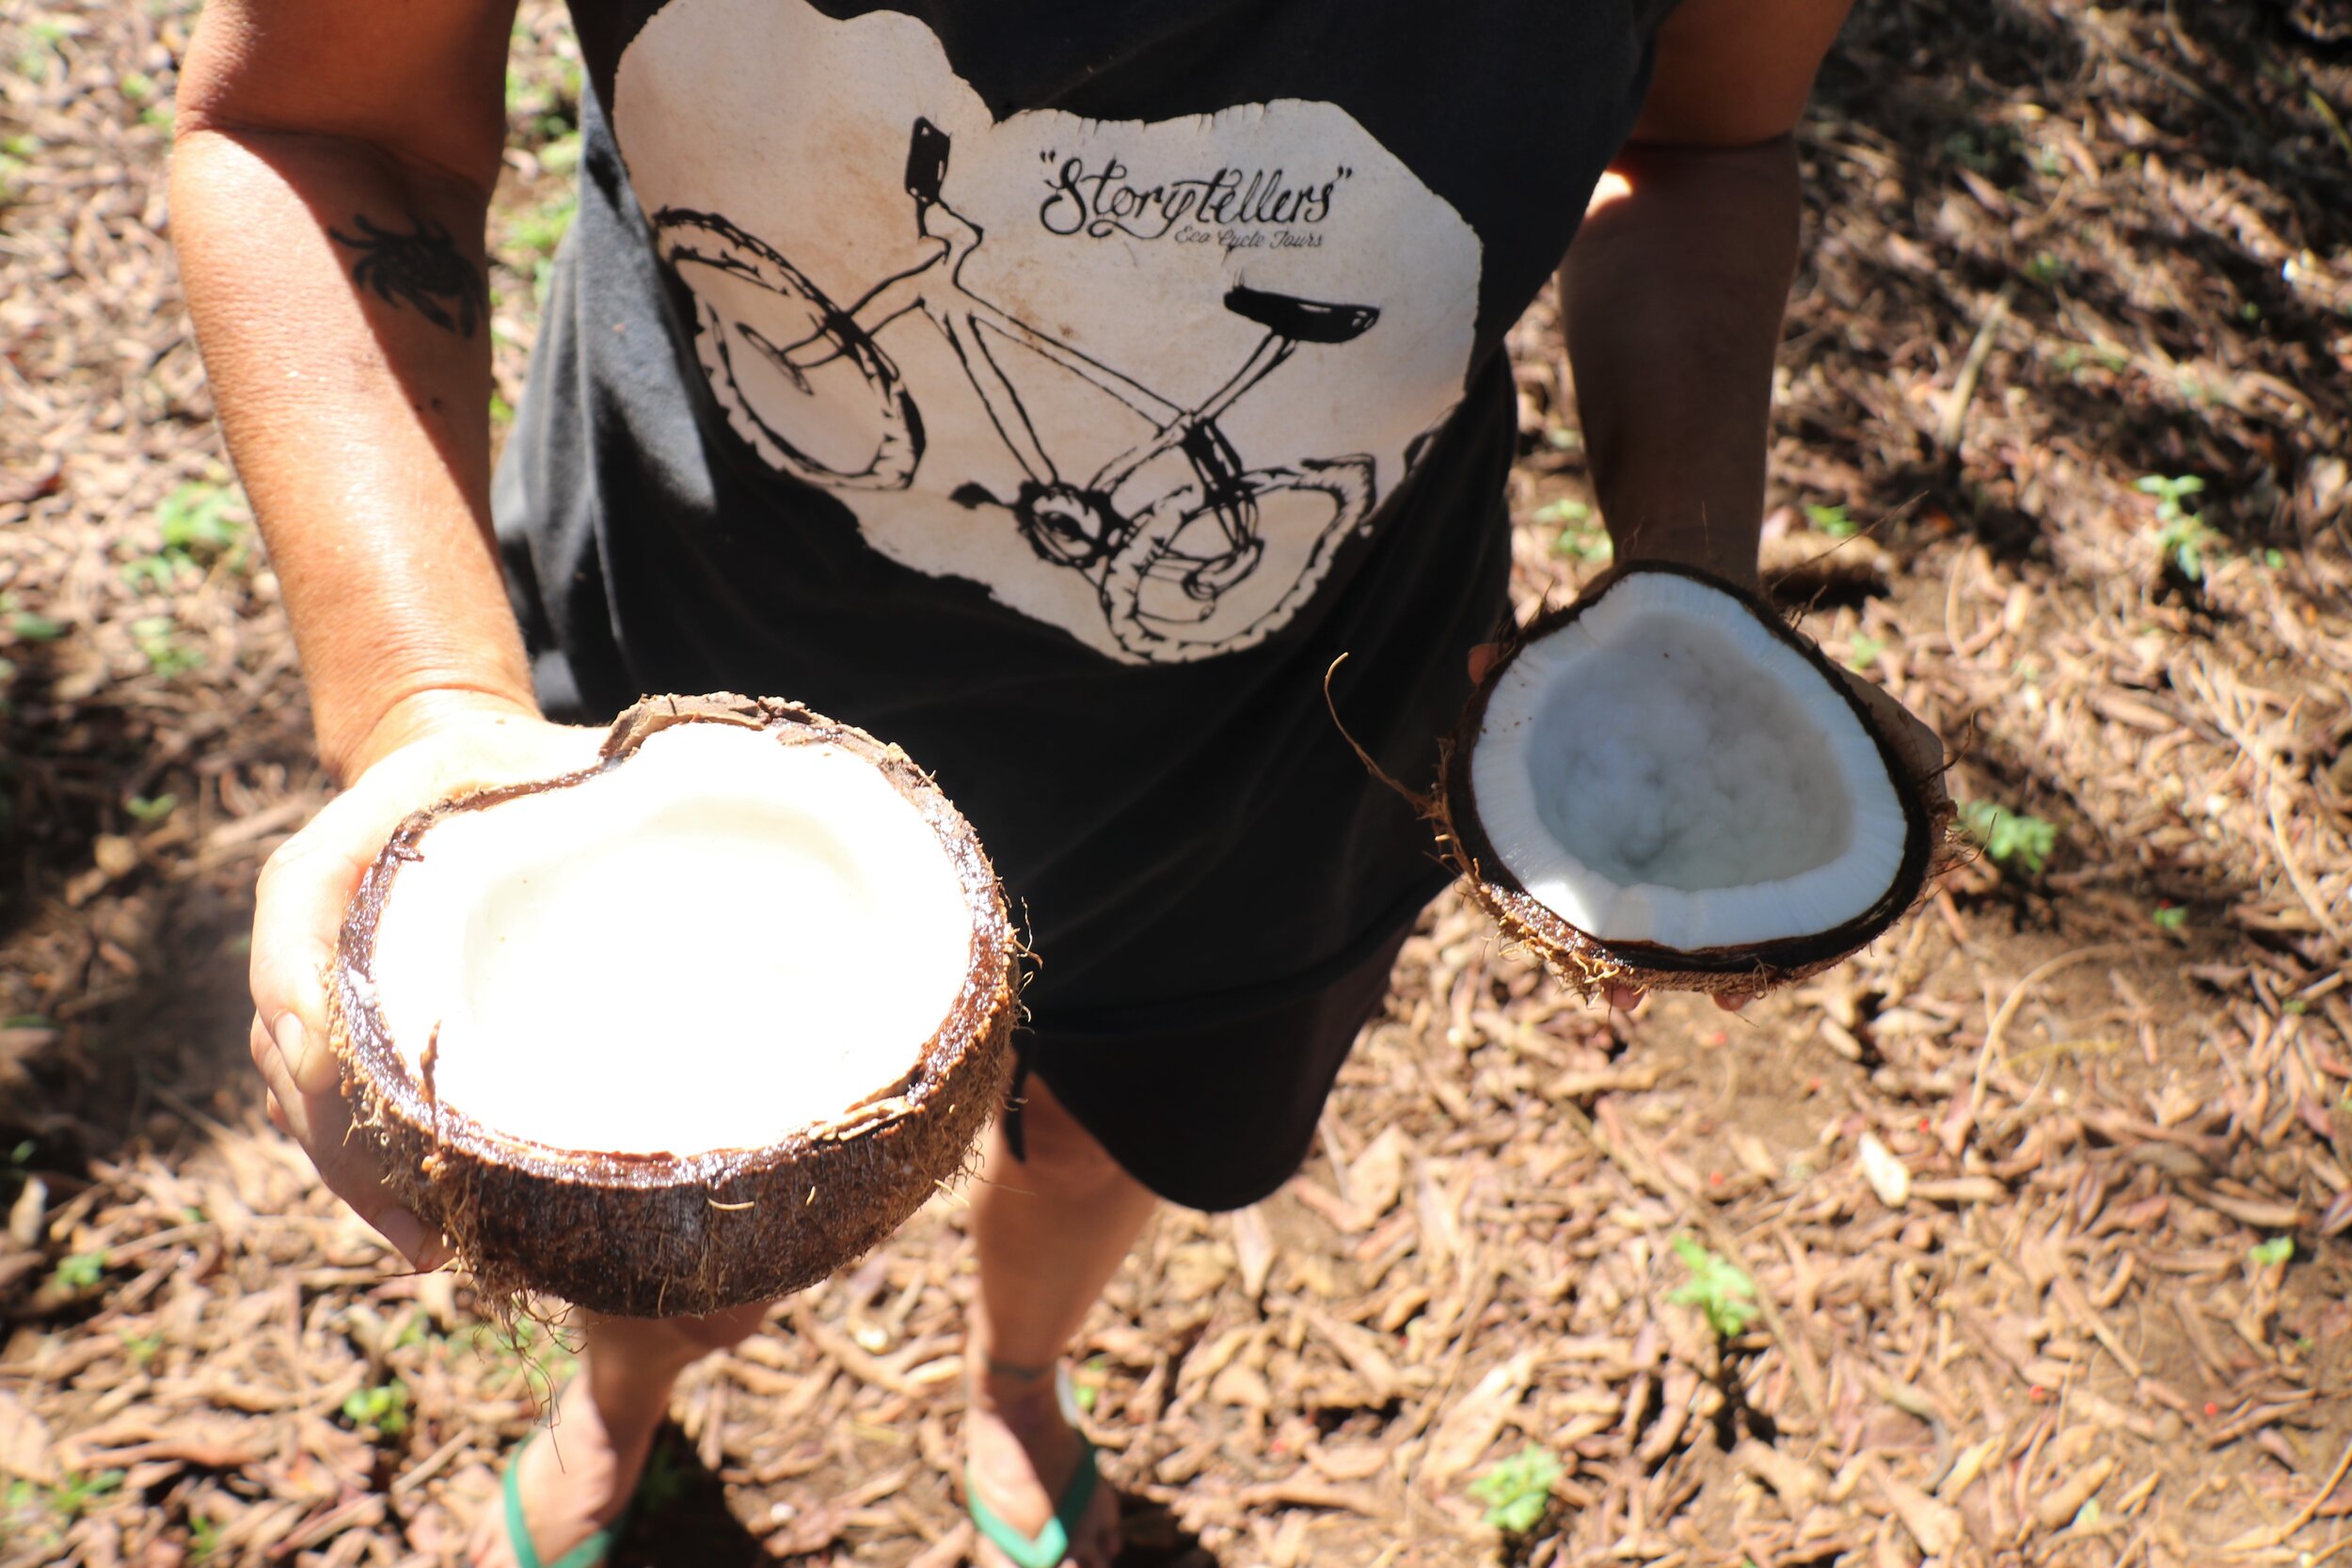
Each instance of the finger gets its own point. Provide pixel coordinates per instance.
(1482, 658)
(297, 913)
(321, 1124)
(1624, 998)
(1731, 1001)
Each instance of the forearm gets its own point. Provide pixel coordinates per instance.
(1673, 296)
(337, 297)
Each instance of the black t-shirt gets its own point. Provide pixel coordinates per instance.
(1056, 387)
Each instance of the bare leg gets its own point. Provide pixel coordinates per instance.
(1049, 1232)
(576, 1478)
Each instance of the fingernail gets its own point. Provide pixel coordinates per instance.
(410, 1239)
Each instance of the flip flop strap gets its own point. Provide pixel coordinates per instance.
(1050, 1547)
(589, 1553)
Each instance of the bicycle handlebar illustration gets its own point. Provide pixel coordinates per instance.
(1164, 566)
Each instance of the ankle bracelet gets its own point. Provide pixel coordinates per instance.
(1017, 1373)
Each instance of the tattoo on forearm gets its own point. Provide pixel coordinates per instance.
(421, 269)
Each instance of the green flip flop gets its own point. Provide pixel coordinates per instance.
(588, 1554)
(1050, 1547)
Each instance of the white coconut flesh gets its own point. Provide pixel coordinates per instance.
(720, 941)
(1663, 768)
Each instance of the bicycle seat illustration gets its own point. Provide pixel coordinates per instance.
(1165, 543)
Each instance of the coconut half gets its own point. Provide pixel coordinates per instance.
(688, 1029)
(1663, 785)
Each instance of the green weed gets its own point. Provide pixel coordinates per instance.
(2269, 1253)
(168, 653)
(151, 812)
(1862, 651)
(80, 1272)
(2007, 836)
(384, 1407)
(1831, 520)
(41, 52)
(2049, 270)
(200, 524)
(30, 624)
(538, 232)
(2169, 917)
(1518, 1489)
(2182, 538)
(68, 1499)
(1719, 1288)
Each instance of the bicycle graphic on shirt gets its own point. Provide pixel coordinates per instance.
(1165, 563)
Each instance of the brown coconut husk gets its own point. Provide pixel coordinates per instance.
(1591, 965)
(660, 1235)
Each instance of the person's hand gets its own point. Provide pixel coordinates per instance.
(1920, 748)
(464, 742)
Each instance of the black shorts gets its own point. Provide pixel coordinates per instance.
(1209, 1115)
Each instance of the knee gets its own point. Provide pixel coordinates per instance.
(721, 1330)
(1060, 1154)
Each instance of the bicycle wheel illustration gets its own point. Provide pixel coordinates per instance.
(1182, 587)
(798, 378)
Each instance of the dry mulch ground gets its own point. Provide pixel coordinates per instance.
(2041, 1200)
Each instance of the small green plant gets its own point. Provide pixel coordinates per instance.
(203, 1540)
(160, 642)
(71, 1497)
(2271, 1253)
(1719, 1288)
(1862, 650)
(1087, 1388)
(1831, 520)
(200, 524)
(80, 1272)
(2169, 917)
(414, 1329)
(2007, 836)
(2182, 538)
(41, 52)
(150, 812)
(1518, 1489)
(2046, 269)
(142, 1348)
(30, 624)
(1581, 538)
(384, 1407)
(538, 232)
(16, 158)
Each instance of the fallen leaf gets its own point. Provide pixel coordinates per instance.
(1888, 1175)
(1470, 1428)
(24, 1450)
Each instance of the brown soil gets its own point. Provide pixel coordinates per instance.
(2056, 252)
